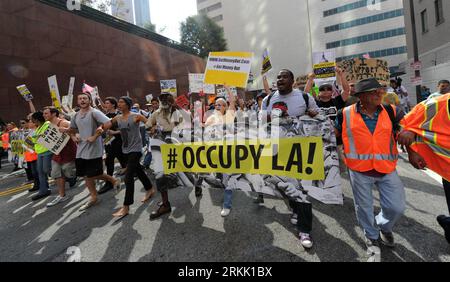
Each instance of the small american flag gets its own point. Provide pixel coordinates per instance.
(87, 89)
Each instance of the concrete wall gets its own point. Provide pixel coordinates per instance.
(37, 41)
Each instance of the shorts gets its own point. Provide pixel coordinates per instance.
(67, 170)
(89, 168)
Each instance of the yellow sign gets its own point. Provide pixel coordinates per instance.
(17, 147)
(299, 157)
(228, 68)
(55, 100)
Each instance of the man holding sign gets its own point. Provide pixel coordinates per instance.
(63, 164)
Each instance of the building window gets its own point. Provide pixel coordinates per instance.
(366, 38)
(439, 12)
(424, 18)
(349, 7)
(377, 54)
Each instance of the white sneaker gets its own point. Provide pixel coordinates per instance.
(225, 212)
(294, 219)
(57, 200)
(305, 240)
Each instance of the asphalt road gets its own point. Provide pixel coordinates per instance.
(196, 232)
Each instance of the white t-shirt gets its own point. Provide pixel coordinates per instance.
(294, 101)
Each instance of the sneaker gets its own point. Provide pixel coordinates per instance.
(373, 250)
(57, 200)
(294, 219)
(259, 199)
(306, 240)
(87, 205)
(41, 196)
(444, 222)
(108, 186)
(225, 212)
(387, 238)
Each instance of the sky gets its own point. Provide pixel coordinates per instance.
(170, 13)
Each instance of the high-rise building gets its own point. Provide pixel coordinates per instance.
(133, 11)
(433, 41)
(281, 26)
(293, 29)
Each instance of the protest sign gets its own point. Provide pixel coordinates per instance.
(149, 98)
(324, 67)
(301, 158)
(360, 68)
(53, 140)
(196, 84)
(54, 92)
(305, 156)
(223, 93)
(70, 92)
(169, 86)
(17, 140)
(24, 92)
(230, 68)
(182, 101)
(267, 65)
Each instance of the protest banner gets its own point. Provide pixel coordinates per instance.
(230, 68)
(24, 92)
(324, 67)
(305, 154)
(182, 101)
(54, 92)
(70, 92)
(196, 84)
(360, 68)
(53, 140)
(301, 158)
(267, 64)
(169, 86)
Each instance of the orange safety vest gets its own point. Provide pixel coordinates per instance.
(30, 156)
(5, 140)
(365, 151)
(430, 120)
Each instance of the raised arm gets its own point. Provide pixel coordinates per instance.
(345, 85)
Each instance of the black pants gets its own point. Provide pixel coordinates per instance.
(134, 167)
(447, 192)
(114, 151)
(304, 216)
(29, 173)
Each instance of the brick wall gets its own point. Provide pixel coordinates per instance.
(37, 41)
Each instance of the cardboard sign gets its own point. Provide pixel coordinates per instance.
(196, 84)
(182, 101)
(53, 140)
(24, 92)
(360, 68)
(267, 65)
(65, 102)
(169, 86)
(222, 92)
(54, 92)
(228, 68)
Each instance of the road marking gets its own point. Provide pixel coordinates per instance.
(16, 190)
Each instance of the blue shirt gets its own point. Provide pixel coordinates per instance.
(371, 123)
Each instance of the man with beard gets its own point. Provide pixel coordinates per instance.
(167, 117)
(299, 104)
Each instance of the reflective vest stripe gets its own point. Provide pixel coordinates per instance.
(366, 157)
(431, 113)
(436, 148)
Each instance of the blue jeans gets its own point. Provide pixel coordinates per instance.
(227, 198)
(392, 200)
(44, 167)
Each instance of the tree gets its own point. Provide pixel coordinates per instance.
(202, 35)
